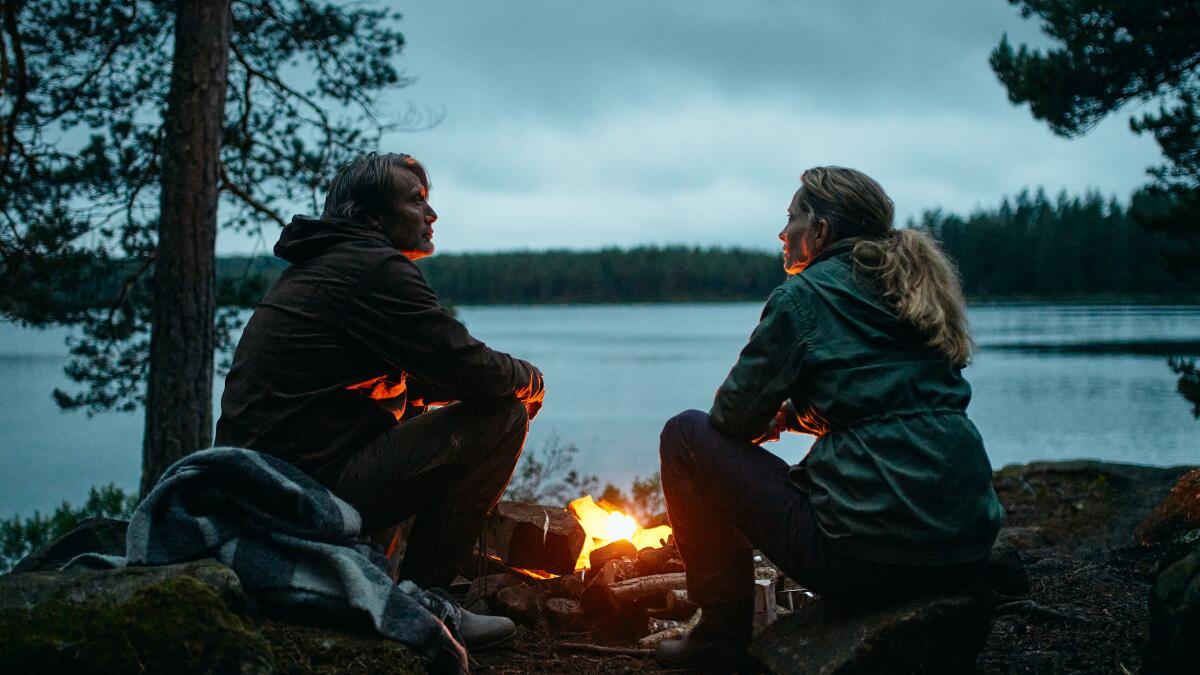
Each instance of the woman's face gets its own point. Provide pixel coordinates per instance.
(802, 239)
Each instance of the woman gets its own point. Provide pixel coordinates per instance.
(862, 346)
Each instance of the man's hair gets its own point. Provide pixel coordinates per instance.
(368, 186)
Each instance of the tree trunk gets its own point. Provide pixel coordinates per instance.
(179, 391)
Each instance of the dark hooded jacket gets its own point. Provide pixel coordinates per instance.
(348, 338)
(898, 472)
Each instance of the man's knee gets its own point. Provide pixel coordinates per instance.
(504, 424)
(676, 432)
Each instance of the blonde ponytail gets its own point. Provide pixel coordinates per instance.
(916, 278)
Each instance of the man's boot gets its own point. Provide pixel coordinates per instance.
(718, 642)
(480, 631)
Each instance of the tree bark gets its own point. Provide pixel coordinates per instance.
(179, 391)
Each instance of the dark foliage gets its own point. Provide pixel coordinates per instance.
(1108, 54)
(1189, 382)
(20, 536)
(1069, 247)
(83, 86)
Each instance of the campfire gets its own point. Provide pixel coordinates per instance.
(604, 525)
(591, 566)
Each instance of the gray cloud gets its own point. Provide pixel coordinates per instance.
(585, 124)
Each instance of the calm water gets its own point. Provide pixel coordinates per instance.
(1051, 382)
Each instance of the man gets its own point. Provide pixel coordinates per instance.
(339, 364)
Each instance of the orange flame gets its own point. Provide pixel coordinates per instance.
(604, 526)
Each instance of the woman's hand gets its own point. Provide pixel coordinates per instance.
(776, 427)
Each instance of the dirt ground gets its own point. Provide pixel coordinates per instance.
(1086, 611)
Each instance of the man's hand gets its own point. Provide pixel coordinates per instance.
(533, 393)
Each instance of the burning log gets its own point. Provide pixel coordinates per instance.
(535, 537)
(659, 560)
(595, 592)
(621, 548)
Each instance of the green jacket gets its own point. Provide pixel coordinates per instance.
(898, 473)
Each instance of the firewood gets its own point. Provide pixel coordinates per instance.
(655, 560)
(677, 631)
(658, 625)
(624, 594)
(535, 537)
(678, 601)
(764, 604)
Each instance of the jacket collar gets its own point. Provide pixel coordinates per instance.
(836, 248)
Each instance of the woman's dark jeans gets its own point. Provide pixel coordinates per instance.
(448, 467)
(727, 497)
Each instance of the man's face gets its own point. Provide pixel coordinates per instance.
(409, 226)
(802, 239)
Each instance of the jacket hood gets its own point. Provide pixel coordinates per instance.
(306, 238)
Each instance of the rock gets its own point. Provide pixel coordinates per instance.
(1021, 538)
(1005, 572)
(490, 585)
(1178, 513)
(32, 589)
(569, 615)
(1175, 618)
(520, 602)
(149, 620)
(926, 635)
(311, 650)
(94, 535)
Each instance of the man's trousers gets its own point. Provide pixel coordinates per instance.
(448, 468)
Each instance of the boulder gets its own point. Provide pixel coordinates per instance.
(933, 634)
(33, 589)
(94, 535)
(1175, 618)
(175, 619)
(1178, 513)
(1005, 572)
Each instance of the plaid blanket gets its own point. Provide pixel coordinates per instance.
(291, 543)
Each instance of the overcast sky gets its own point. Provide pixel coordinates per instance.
(619, 123)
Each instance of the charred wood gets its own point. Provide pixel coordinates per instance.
(621, 548)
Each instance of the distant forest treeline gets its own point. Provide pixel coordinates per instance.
(1029, 247)
(1035, 247)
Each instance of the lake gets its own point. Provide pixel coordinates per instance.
(1051, 382)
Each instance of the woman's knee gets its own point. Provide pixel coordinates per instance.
(676, 433)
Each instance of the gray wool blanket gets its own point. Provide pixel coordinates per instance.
(292, 544)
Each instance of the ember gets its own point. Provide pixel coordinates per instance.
(605, 525)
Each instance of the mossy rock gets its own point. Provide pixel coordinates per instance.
(311, 650)
(178, 626)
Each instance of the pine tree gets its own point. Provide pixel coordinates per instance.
(103, 187)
